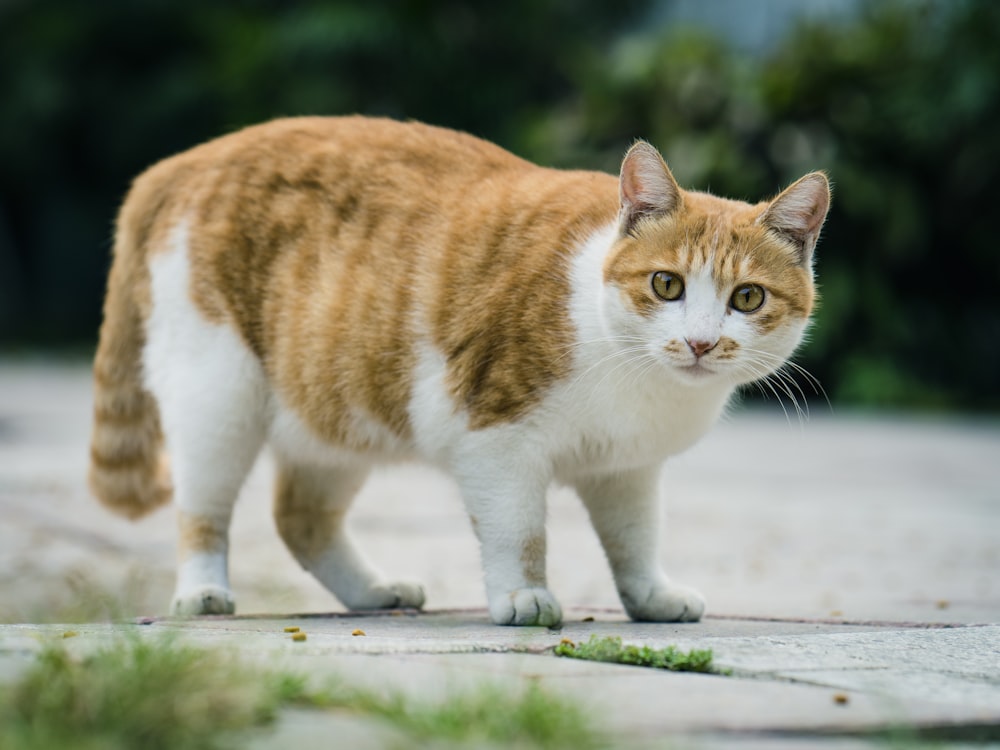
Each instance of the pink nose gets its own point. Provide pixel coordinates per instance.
(701, 347)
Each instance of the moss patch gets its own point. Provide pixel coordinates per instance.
(614, 651)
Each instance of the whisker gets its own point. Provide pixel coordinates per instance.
(810, 379)
(573, 348)
(640, 372)
(764, 379)
(790, 382)
(603, 340)
(778, 380)
(643, 355)
(607, 358)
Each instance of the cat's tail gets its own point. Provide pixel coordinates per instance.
(129, 472)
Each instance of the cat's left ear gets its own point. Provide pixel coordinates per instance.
(798, 213)
(646, 187)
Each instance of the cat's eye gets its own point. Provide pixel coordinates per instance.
(667, 286)
(747, 298)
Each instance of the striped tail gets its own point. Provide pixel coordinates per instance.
(129, 472)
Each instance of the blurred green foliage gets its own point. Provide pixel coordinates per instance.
(900, 105)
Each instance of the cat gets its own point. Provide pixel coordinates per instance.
(353, 291)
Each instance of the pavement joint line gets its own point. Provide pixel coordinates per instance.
(935, 731)
(902, 625)
(483, 612)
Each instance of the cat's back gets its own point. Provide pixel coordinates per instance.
(294, 177)
(309, 152)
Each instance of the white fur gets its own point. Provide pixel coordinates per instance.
(203, 586)
(293, 440)
(437, 425)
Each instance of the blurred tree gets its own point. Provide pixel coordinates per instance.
(92, 93)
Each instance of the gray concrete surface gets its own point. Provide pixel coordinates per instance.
(846, 554)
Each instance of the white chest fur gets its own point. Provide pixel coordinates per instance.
(621, 409)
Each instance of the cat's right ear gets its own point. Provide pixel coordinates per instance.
(798, 213)
(646, 187)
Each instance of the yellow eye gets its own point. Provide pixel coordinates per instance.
(667, 286)
(747, 298)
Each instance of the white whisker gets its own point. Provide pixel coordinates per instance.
(779, 365)
(762, 379)
(607, 358)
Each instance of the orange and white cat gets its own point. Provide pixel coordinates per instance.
(354, 291)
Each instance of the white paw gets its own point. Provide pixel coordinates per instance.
(663, 602)
(534, 606)
(204, 600)
(396, 595)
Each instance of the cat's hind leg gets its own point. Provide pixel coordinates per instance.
(214, 433)
(310, 504)
(625, 512)
(212, 393)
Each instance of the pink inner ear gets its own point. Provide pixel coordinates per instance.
(631, 188)
(801, 210)
(646, 184)
(820, 190)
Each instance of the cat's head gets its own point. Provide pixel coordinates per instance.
(716, 290)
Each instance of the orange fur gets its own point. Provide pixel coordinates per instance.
(198, 533)
(305, 520)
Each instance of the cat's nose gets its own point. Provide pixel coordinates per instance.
(700, 347)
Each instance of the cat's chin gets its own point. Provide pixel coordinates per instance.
(696, 373)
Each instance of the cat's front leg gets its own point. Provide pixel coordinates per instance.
(625, 510)
(505, 498)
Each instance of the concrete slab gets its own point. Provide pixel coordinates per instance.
(782, 685)
(849, 554)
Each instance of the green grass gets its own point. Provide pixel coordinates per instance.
(612, 650)
(139, 693)
(159, 694)
(489, 714)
